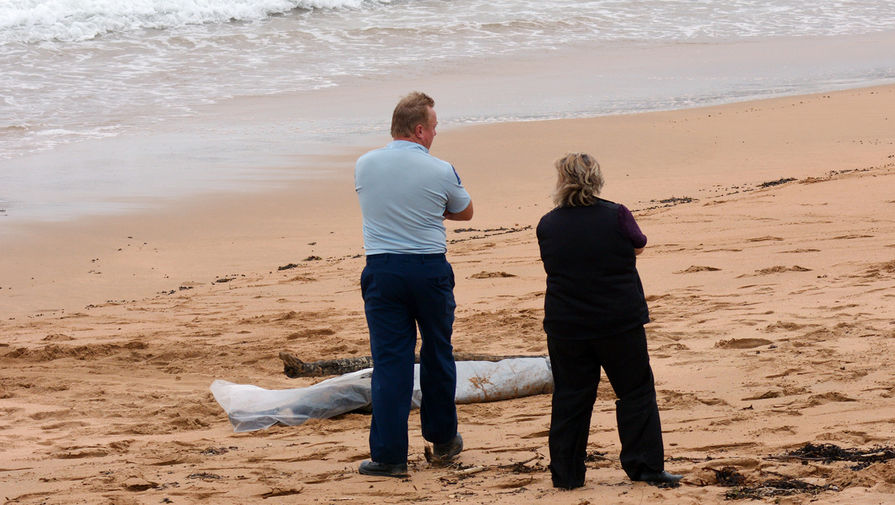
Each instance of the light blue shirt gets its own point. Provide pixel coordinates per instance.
(404, 192)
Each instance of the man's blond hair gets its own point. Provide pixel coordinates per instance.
(412, 110)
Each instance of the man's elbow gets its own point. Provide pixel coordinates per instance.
(466, 214)
(463, 215)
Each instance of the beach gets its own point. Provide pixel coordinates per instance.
(768, 272)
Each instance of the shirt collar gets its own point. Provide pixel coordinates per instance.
(406, 144)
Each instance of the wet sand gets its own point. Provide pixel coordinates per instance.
(768, 272)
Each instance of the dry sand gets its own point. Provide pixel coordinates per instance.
(769, 273)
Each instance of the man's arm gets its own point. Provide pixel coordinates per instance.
(463, 215)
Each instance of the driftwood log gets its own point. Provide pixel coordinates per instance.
(294, 367)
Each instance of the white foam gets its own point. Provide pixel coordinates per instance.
(91, 133)
(74, 20)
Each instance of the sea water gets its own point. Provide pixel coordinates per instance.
(108, 106)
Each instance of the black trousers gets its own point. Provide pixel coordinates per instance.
(576, 373)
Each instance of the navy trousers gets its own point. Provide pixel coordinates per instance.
(576, 373)
(401, 292)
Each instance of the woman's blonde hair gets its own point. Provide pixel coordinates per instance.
(578, 180)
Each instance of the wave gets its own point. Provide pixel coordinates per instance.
(30, 21)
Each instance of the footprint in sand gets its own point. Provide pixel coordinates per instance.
(53, 352)
(764, 396)
(821, 399)
(671, 399)
(80, 452)
(784, 326)
(299, 278)
(697, 268)
(326, 477)
(311, 333)
(881, 269)
(137, 484)
(57, 337)
(742, 343)
(780, 269)
(275, 492)
(515, 483)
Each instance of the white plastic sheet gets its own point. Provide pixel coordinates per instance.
(251, 408)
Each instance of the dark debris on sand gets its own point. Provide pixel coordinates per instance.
(490, 232)
(775, 183)
(776, 487)
(666, 202)
(827, 453)
(728, 476)
(529, 466)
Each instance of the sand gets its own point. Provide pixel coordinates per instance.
(769, 274)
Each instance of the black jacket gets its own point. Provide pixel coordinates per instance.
(593, 288)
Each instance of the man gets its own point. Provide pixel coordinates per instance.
(405, 194)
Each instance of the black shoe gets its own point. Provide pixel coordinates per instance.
(442, 453)
(659, 478)
(383, 469)
(567, 487)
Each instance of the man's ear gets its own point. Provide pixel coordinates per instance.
(418, 130)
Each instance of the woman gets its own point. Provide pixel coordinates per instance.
(594, 312)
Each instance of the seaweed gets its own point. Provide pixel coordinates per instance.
(776, 487)
(775, 183)
(827, 453)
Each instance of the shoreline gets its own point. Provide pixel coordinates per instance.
(56, 267)
(231, 141)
